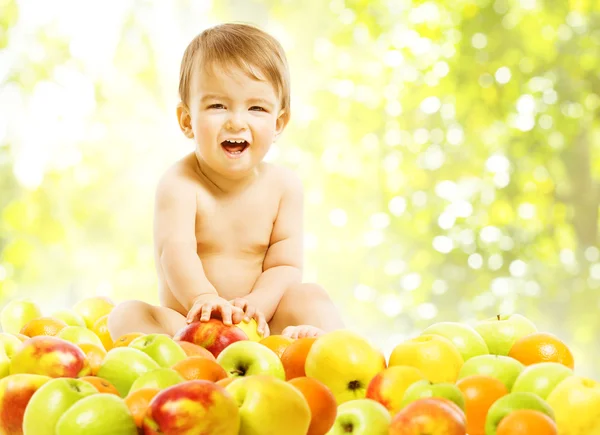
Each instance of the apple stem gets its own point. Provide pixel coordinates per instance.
(498, 316)
(348, 428)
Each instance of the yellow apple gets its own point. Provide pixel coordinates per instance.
(91, 309)
(17, 313)
(345, 362)
(251, 329)
(576, 405)
(437, 358)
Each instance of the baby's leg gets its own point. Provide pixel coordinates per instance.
(138, 316)
(305, 310)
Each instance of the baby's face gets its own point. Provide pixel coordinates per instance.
(234, 119)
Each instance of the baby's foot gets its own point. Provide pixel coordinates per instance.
(302, 331)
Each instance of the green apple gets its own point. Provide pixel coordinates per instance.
(501, 332)
(269, 405)
(98, 414)
(576, 404)
(466, 339)
(4, 363)
(511, 402)
(80, 334)
(161, 348)
(17, 313)
(159, 378)
(361, 417)
(246, 358)
(345, 362)
(10, 343)
(541, 378)
(123, 365)
(70, 317)
(503, 368)
(425, 388)
(50, 402)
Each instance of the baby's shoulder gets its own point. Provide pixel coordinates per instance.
(282, 176)
(180, 176)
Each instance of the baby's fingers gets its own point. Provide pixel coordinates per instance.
(237, 314)
(250, 313)
(263, 327)
(206, 310)
(226, 311)
(193, 313)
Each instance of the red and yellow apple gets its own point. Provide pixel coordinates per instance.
(15, 392)
(50, 356)
(213, 335)
(389, 385)
(429, 415)
(192, 407)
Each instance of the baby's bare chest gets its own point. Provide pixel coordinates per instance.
(240, 226)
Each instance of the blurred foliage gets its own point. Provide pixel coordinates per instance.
(449, 150)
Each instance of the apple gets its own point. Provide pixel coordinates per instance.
(425, 388)
(345, 362)
(123, 365)
(91, 309)
(50, 356)
(576, 404)
(160, 378)
(429, 415)
(541, 378)
(466, 339)
(10, 343)
(213, 335)
(389, 385)
(70, 317)
(79, 335)
(504, 368)
(15, 393)
(251, 329)
(511, 402)
(4, 363)
(98, 414)
(51, 400)
(246, 358)
(161, 348)
(17, 313)
(361, 417)
(269, 405)
(501, 332)
(434, 355)
(193, 407)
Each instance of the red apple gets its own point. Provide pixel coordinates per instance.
(50, 356)
(15, 392)
(429, 415)
(192, 407)
(212, 335)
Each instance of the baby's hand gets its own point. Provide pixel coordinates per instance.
(250, 312)
(205, 305)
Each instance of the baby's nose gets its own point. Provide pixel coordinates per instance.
(235, 122)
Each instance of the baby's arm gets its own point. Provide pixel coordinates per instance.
(282, 266)
(175, 236)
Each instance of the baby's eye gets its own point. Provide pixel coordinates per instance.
(216, 106)
(258, 108)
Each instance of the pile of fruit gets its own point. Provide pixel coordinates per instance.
(62, 374)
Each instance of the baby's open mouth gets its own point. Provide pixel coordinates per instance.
(234, 148)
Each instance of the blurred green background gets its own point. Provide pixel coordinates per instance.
(450, 152)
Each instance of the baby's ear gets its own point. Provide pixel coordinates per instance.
(282, 120)
(185, 120)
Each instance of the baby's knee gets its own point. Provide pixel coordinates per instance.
(124, 313)
(308, 291)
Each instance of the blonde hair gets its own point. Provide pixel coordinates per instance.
(252, 50)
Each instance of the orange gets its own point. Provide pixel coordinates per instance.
(197, 367)
(480, 393)
(102, 385)
(101, 330)
(125, 339)
(527, 422)
(94, 354)
(277, 343)
(294, 357)
(43, 326)
(138, 402)
(192, 349)
(541, 347)
(321, 401)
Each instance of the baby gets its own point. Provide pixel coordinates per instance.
(228, 227)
